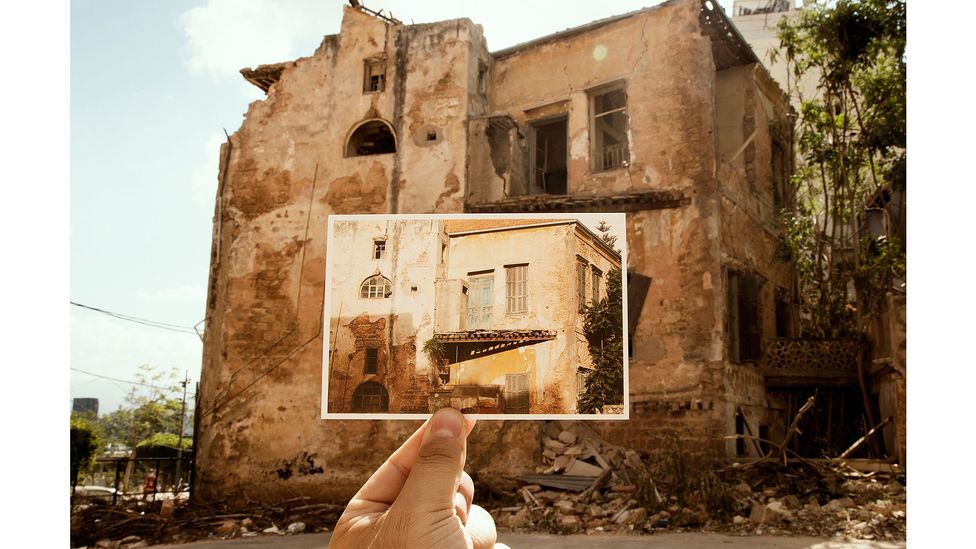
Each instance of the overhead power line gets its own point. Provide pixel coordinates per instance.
(124, 380)
(146, 322)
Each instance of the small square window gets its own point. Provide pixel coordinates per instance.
(370, 364)
(379, 249)
(374, 78)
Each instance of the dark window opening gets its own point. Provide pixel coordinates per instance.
(370, 365)
(784, 321)
(431, 135)
(370, 397)
(549, 157)
(482, 78)
(764, 439)
(379, 249)
(740, 431)
(373, 137)
(374, 77)
(743, 311)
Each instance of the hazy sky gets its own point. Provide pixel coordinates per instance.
(153, 87)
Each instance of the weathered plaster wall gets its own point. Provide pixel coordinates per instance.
(284, 172)
(281, 175)
(749, 113)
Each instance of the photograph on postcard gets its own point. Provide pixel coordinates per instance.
(514, 316)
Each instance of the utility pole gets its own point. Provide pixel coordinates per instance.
(179, 445)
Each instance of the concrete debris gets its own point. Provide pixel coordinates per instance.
(669, 489)
(295, 528)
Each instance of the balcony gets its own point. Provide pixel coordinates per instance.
(795, 363)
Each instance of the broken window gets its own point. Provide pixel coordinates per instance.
(370, 397)
(370, 364)
(549, 156)
(581, 284)
(376, 287)
(608, 127)
(740, 431)
(374, 79)
(516, 288)
(480, 289)
(373, 137)
(595, 286)
(379, 249)
(743, 316)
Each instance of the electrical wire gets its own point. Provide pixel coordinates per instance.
(155, 324)
(123, 380)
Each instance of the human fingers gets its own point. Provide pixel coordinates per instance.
(464, 496)
(385, 484)
(481, 528)
(435, 476)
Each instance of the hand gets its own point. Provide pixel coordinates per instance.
(420, 497)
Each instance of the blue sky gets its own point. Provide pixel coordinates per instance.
(153, 86)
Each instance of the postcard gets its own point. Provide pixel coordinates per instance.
(506, 316)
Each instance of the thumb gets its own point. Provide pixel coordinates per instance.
(434, 478)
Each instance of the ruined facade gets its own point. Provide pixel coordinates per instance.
(484, 315)
(664, 113)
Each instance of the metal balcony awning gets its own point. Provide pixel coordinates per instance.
(492, 336)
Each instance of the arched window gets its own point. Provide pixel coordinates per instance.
(376, 287)
(370, 397)
(372, 137)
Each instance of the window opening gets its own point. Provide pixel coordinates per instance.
(370, 397)
(379, 249)
(581, 284)
(608, 124)
(480, 302)
(376, 287)
(374, 79)
(581, 374)
(516, 288)
(743, 311)
(373, 137)
(549, 156)
(516, 393)
(370, 363)
(740, 430)
(783, 318)
(597, 277)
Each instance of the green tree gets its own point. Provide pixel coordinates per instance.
(154, 407)
(604, 331)
(851, 146)
(85, 440)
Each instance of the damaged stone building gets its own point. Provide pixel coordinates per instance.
(481, 314)
(663, 113)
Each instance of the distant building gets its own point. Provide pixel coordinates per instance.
(757, 22)
(85, 405)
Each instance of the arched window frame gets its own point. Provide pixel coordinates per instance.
(370, 397)
(376, 287)
(346, 152)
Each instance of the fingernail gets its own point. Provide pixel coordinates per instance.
(446, 423)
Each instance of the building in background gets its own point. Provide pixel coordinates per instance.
(85, 406)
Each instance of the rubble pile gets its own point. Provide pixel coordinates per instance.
(588, 485)
(97, 524)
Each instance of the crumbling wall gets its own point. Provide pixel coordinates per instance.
(676, 371)
(282, 173)
(749, 113)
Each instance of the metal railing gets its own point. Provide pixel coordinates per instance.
(614, 156)
(128, 477)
